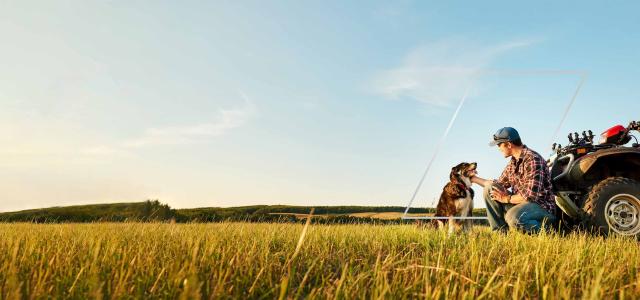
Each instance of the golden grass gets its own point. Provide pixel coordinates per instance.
(242, 260)
(373, 215)
(386, 215)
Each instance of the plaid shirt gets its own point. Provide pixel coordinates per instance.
(529, 177)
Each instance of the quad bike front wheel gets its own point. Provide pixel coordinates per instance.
(614, 206)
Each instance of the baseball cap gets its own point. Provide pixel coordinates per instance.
(503, 135)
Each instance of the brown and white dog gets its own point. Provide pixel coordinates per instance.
(456, 199)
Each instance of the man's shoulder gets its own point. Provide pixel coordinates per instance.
(531, 154)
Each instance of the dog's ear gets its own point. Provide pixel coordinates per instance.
(453, 176)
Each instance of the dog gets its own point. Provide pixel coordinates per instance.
(456, 199)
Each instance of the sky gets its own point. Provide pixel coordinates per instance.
(231, 103)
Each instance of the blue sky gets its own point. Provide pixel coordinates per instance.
(227, 103)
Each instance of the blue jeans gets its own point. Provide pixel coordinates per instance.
(528, 217)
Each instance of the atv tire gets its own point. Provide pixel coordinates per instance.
(613, 206)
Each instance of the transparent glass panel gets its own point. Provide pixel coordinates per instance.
(534, 102)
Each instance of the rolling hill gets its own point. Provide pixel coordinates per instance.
(153, 210)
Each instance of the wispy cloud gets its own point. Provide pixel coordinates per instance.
(224, 121)
(439, 73)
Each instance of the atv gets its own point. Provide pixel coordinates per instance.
(597, 185)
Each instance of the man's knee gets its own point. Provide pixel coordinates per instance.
(487, 191)
(512, 217)
(521, 219)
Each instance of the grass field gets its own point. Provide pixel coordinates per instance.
(373, 215)
(267, 261)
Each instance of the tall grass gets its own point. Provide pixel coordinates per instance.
(241, 260)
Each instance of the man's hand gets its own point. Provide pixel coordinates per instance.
(480, 181)
(500, 195)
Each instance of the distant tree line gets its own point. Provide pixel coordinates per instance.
(154, 211)
(150, 210)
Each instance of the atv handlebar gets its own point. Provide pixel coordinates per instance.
(579, 146)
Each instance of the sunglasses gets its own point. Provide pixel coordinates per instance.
(501, 140)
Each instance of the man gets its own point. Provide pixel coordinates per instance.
(530, 203)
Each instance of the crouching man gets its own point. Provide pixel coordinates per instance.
(530, 203)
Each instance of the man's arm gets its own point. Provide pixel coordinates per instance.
(512, 199)
(500, 196)
(503, 180)
(533, 168)
(505, 197)
(480, 181)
